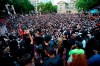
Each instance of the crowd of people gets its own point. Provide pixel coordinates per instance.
(51, 40)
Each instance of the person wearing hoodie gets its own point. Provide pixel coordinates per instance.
(52, 60)
(95, 59)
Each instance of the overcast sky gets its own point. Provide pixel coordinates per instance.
(53, 1)
(56, 1)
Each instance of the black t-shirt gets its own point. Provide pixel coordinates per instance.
(26, 47)
(42, 50)
(38, 40)
(6, 61)
(65, 43)
(70, 43)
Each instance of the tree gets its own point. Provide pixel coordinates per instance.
(22, 5)
(86, 5)
(54, 8)
(47, 7)
(41, 7)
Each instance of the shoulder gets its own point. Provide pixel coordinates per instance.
(94, 59)
(72, 51)
(82, 51)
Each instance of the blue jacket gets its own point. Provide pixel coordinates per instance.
(94, 61)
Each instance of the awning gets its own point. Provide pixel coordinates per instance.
(94, 11)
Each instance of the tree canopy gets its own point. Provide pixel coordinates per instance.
(20, 5)
(86, 4)
(47, 7)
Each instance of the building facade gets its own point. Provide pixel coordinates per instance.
(35, 3)
(66, 7)
(61, 7)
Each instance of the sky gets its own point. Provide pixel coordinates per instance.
(54, 1)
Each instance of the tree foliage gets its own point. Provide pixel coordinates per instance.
(47, 7)
(20, 5)
(86, 4)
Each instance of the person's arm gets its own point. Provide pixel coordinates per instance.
(31, 37)
(73, 46)
(64, 52)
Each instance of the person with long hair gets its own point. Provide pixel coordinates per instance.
(78, 60)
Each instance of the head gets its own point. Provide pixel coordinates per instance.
(25, 60)
(13, 45)
(74, 27)
(97, 34)
(24, 36)
(59, 41)
(65, 35)
(47, 39)
(73, 36)
(79, 45)
(84, 34)
(79, 60)
(97, 47)
(49, 52)
(11, 37)
(38, 32)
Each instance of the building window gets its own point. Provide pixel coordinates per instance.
(71, 0)
(37, 0)
(37, 3)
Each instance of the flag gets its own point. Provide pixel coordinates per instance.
(21, 31)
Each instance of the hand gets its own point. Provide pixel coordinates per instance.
(26, 32)
(41, 61)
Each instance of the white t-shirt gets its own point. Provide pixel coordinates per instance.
(84, 43)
